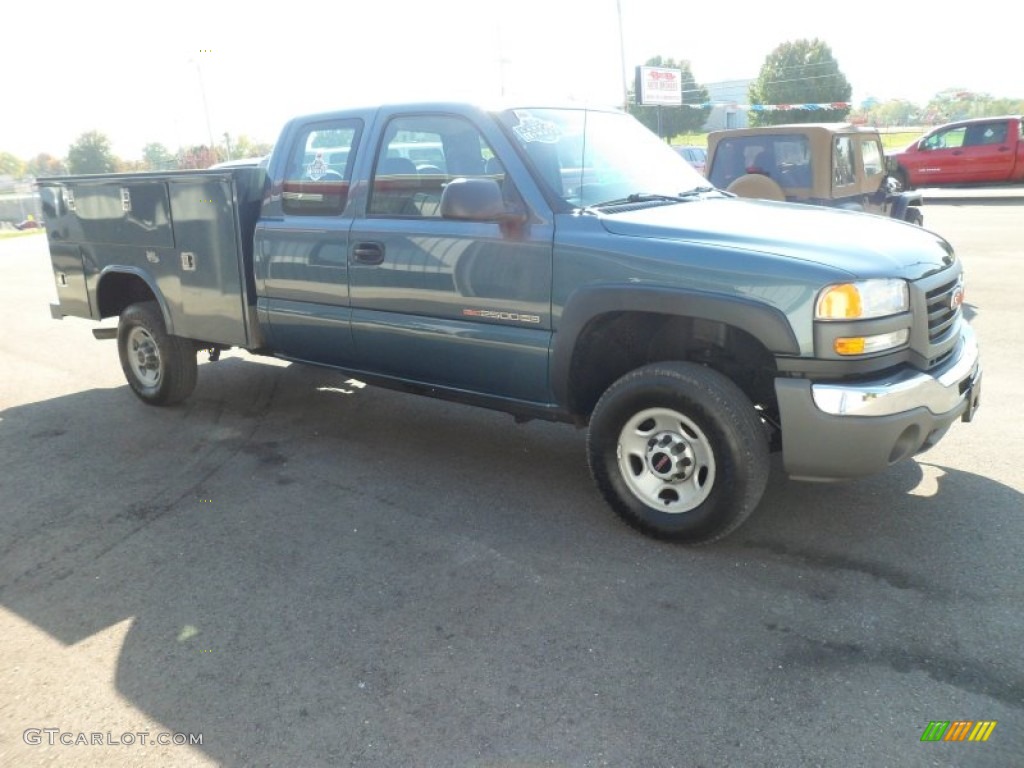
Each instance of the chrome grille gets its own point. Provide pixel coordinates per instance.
(936, 330)
(941, 316)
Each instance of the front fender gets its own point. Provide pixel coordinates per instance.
(767, 324)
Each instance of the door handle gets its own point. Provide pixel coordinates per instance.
(958, 152)
(368, 253)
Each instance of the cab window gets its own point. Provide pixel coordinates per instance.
(951, 138)
(418, 156)
(871, 152)
(843, 170)
(984, 134)
(320, 168)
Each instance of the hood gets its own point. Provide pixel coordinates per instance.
(862, 244)
(902, 150)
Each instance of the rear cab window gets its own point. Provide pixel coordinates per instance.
(319, 169)
(985, 134)
(785, 158)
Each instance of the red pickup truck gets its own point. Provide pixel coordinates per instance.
(983, 150)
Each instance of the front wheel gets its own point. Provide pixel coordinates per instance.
(903, 178)
(161, 369)
(678, 451)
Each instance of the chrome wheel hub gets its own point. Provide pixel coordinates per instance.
(669, 456)
(144, 357)
(666, 460)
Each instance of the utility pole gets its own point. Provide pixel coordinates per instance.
(206, 108)
(622, 59)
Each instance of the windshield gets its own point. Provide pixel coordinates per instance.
(588, 157)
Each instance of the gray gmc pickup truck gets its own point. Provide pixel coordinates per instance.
(553, 263)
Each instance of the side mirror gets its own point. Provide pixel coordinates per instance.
(477, 200)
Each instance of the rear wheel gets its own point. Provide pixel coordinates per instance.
(914, 216)
(678, 451)
(161, 369)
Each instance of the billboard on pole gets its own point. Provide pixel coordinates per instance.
(659, 85)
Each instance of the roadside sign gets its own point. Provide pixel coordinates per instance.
(659, 85)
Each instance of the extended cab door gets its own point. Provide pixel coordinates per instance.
(301, 245)
(989, 150)
(454, 303)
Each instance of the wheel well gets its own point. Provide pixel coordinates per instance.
(903, 175)
(119, 290)
(613, 344)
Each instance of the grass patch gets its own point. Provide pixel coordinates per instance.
(690, 139)
(899, 140)
(5, 233)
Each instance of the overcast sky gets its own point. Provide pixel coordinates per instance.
(138, 71)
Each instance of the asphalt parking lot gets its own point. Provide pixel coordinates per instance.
(300, 571)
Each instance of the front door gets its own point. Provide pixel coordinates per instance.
(459, 304)
(942, 156)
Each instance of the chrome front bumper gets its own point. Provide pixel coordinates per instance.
(939, 391)
(837, 430)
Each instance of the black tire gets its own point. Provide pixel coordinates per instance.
(914, 216)
(161, 369)
(659, 417)
(903, 178)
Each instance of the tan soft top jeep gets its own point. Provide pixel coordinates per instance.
(833, 164)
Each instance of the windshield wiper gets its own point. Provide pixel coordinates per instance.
(700, 191)
(654, 197)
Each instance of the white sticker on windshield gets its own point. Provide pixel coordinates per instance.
(532, 129)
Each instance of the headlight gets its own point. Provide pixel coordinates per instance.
(862, 300)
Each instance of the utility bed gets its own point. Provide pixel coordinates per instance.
(187, 234)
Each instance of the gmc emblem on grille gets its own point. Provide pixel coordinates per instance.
(957, 297)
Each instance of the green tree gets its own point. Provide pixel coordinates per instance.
(898, 112)
(675, 120)
(951, 104)
(800, 72)
(156, 157)
(11, 165)
(892, 112)
(91, 154)
(199, 156)
(1006, 107)
(44, 164)
(246, 147)
(129, 166)
(959, 104)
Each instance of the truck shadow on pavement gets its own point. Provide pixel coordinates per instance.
(318, 573)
